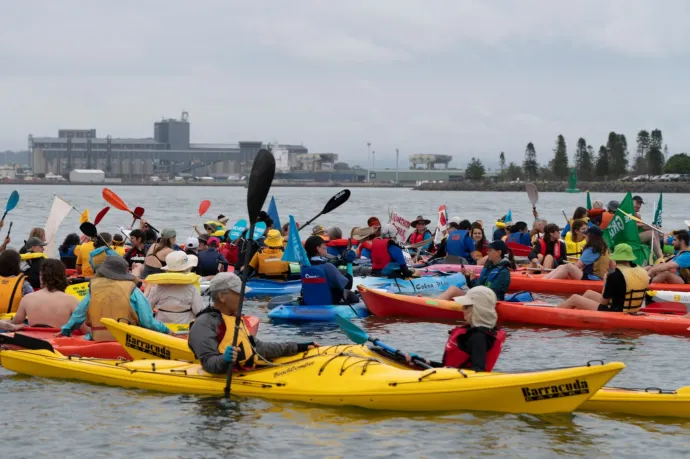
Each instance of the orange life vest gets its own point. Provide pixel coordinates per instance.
(11, 291)
(109, 298)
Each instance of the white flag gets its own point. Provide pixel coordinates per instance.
(58, 213)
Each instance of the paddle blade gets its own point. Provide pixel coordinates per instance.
(532, 193)
(139, 212)
(352, 331)
(260, 179)
(203, 207)
(88, 229)
(114, 200)
(336, 201)
(27, 342)
(12, 201)
(100, 215)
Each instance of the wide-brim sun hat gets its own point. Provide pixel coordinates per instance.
(623, 252)
(115, 268)
(178, 261)
(274, 239)
(419, 219)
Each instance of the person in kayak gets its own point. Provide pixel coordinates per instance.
(458, 243)
(119, 244)
(645, 232)
(538, 230)
(477, 345)
(336, 245)
(155, 256)
(267, 263)
(66, 251)
(385, 251)
(319, 230)
(500, 231)
(112, 294)
(35, 232)
(211, 262)
(676, 270)
(50, 306)
(481, 244)
(420, 233)
(592, 265)
(519, 234)
(101, 250)
(322, 283)
(13, 283)
(624, 289)
(192, 246)
(596, 212)
(32, 259)
(175, 293)
(607, 216)
(137, 252)
(576, 239)
(548, 252)
(5, 243)
(211, 334)
(579, 214)
(495, 274)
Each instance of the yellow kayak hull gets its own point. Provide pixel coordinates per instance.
(641, 402)
(342, 379)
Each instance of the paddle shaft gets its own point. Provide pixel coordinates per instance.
(9, 230)
(639, 220)
(386, 347)
(302, 226)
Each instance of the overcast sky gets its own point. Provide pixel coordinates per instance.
(458, 77)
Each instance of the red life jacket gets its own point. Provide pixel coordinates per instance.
(341, 242)
(363, 245)
(417, 237)
(556, 249)
(454, 357)
(379, 254)
(594, 213)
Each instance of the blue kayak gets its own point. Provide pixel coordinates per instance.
(426, 285)
(327, 313)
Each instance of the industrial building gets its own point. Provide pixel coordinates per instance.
(169, 153)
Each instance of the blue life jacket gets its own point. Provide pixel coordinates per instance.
(456, 245)
(315, 289)
(487, 275)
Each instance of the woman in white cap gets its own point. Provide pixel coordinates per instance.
(175, 293)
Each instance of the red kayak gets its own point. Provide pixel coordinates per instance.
(535, 283)
(77, 345)
(389, 304)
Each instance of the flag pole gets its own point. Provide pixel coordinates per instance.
(651, 248)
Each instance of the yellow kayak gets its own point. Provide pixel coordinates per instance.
(641, 402)
(342, 379)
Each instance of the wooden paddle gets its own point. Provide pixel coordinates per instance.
(533, 195)
(260, 179)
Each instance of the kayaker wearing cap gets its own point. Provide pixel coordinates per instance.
(112, 294)
(13, 283)
(677, 270)
(50, 306)
(101, 250)
(495, 274)
(175, 293)
(645, 232)
(385, 251)
(31, 261)
(322, 283)
(548, 252)
(458, 243)
(267, 263)
(477, 345)
(211, 334)
(319, 230)
(192, 246)
(35, 232)
(624, 289)
(607, 216)
(119, 244)
(155, 257)
(592, 265)
(136, 253)
(420, 233)
(211, 262)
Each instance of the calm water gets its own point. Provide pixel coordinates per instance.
(57, 418)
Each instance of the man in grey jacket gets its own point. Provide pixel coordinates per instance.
(210, 330)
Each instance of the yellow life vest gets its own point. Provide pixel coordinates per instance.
(78, 291)
(219, 227)
(109, 298)
(11, 292)
(601, 266)
(270, 264)
(574, 249)
(636, 284)
(32, 256)
(246, 357)
(174, 279)
(220, 233)
(119, 249)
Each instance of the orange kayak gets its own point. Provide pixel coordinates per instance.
(77, 345)
(536, 283)
(390, 304)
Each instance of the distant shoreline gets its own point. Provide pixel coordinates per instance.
(276, 183)
(599, 187)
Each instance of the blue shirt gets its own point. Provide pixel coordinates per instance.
(588, 258)
(334, 278)
(396, 254)
(499, 233)
(683, 261)
(520, 238)
(209, 260)
(139, 303)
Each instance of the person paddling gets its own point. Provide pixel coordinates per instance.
(50, 306)
(420, 233)
(211, 334)
(624, 289)
(112, 294)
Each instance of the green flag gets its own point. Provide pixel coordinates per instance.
(657, 213)
(589, 202)
(623, 229)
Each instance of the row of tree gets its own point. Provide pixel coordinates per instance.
(610, 162)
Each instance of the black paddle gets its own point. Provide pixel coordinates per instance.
(89, 229)
(26, 342)
(335, 202)
(260, 179)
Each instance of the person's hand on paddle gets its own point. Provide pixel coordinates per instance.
(230, 354)
(535, 213)
(409, 357)
(5, 243)
(469, 274)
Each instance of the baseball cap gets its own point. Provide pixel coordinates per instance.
(612, 206)
(34, 241)
(498, 244)
(595, 230)
(455, 220)
(168, 233)
(480, 295)
(226, 281)
(318, 230)
(638, 198)
(193, 242)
